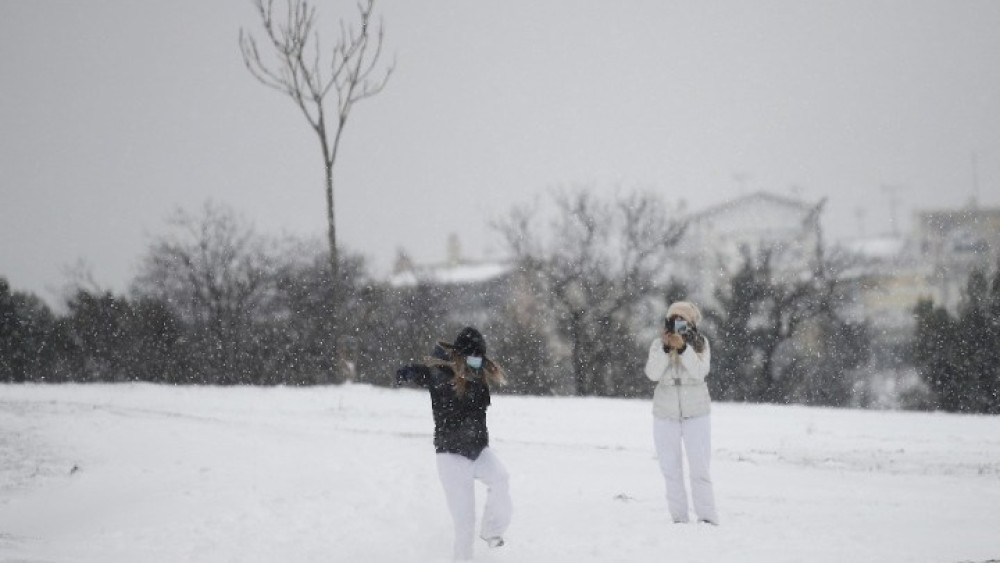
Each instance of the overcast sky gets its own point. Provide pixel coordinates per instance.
(115, 112)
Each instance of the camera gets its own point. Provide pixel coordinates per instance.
(680, 326)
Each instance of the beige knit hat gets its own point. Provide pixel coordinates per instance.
(685, 310)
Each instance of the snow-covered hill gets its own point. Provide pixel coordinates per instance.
(125, 473)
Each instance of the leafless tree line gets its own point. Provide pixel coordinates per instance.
(217, 302)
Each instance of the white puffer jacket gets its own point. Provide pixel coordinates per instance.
(681, 391)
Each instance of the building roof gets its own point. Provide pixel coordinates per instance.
(984, 217)
(756, 197)
(448, 274)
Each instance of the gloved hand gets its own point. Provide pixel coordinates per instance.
(674, 341)
(696, 340)
(690, 335)
(402, 376)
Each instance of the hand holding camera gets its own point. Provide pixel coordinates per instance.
(677, 333)
(672, 341)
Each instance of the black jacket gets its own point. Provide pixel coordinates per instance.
(459, 420)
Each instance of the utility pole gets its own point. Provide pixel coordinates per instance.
(975, 179)
(893, 193)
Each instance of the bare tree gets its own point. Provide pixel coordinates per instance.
(600, 262)
(785, 335)
(299, 68)
(219, 275)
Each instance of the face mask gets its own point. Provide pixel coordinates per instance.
(474, 362)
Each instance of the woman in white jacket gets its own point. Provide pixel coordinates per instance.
(679, 361)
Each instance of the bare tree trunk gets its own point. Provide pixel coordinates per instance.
(579, 361)
(769, 392)
(335, 289)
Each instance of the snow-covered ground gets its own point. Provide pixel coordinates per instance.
(126, 473)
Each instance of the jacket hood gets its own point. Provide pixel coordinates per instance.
(469, 342)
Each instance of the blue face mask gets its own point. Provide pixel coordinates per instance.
(474, 362)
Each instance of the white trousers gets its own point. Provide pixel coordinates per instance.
(458, 475)
(696, 436)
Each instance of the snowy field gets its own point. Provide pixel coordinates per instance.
(129, 473)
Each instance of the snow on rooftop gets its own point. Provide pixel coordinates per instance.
(450, 274)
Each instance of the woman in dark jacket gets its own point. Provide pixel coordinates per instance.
(459, 377)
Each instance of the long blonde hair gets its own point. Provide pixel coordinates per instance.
(493, 373)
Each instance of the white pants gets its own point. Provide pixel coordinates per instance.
(458, 475)
(696, 436)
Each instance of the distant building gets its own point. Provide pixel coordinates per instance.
(951, 244)
(934, 261)
(474, 289)
(456, 269)
(885, 283)
(719, 239)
